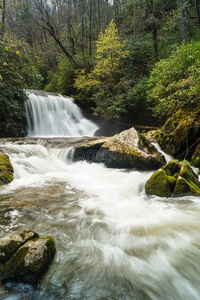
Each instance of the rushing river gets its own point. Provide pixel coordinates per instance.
(113, 241)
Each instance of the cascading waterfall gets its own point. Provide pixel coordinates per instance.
(55, 115)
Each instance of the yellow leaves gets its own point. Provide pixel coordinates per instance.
(109, 52)
(17, 52)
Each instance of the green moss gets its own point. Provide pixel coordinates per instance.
(172, 182)
(187, 173)
(172, 167)
(183, 187)
(28, 268)
(158, 184)
(6, 169)
(14, 266)
(195, 160)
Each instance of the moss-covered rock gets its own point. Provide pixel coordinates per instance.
(6, 169)
(158, 184)
(179, 135)
(30, 262)
(184, 187)
(127, 149)
(12, 242)
(176, 178)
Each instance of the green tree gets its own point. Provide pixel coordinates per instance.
(102, 80)
(175, 82)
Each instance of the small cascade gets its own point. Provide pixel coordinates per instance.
(55, 115)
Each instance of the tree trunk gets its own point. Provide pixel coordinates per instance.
(198, 11)
(183, 34)
(155, 43)
(3, 17)
(90, 33)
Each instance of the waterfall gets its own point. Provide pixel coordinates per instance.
(55, 115)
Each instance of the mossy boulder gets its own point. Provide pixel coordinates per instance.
(154, 186)
(6, 169)
(12, 242)
(176, 178)
(179, 135)
(127, 149)
(27, 257)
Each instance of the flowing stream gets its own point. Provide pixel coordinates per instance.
(112, 240)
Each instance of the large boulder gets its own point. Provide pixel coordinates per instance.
(6, 169)
(176, 178)
(11, 243)
(127, 149)
(28, 262)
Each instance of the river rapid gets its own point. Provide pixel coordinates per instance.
(112, 240)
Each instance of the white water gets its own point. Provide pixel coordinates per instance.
(113, 242)
(55, 115)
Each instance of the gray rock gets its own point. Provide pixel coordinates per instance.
(127, 149)
(30, 262)
(11, 243)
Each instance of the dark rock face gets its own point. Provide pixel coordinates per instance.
(6, 169)
(195, 161)
(176, 178)
(125, 150)
(179, 137)
(27, 257)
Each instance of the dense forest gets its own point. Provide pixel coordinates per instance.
(136, 61)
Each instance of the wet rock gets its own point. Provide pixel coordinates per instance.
(29, 262)
(12, 242)
(6, 169)
(179, 136)
(176, 178)
(127, 149)
(88, 150)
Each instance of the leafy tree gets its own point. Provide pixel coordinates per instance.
(16, 74)
(175, 81)
(106, 73)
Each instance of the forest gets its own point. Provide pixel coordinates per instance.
(135, 61)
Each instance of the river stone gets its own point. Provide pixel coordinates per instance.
(176, 178)
(158, 184)
(128, 149)
(6, 169)
(11, 243)
(30, 262)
